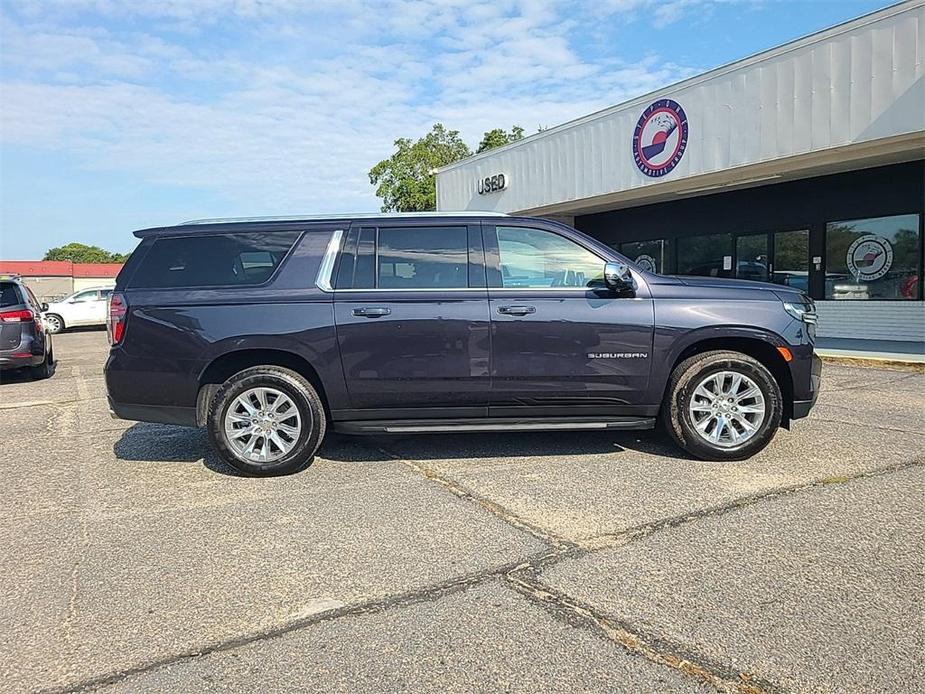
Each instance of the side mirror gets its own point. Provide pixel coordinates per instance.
(44, 306)
(618, 278)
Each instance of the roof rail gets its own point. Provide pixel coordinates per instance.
(359, 215)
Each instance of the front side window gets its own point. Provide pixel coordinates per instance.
(538, 259)
(422, 258)
(876, 258)
(80, 297)
(245, 259)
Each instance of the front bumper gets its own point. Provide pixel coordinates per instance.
(801, 408)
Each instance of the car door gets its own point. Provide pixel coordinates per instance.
(82, 307)
(101, 307)
(562, 343)
(411, 311)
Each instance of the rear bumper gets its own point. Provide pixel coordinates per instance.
(801, 408)
(161, 414)
(29, 352)
(9, 363)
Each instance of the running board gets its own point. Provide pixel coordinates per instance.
(458, 426)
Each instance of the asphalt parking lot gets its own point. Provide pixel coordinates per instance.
(135, 561)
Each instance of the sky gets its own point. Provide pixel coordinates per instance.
(122, 114)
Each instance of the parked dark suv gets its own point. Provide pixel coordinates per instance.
(267, 331)
(24, 342)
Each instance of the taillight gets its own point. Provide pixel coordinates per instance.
(23, 316)
(115, 326)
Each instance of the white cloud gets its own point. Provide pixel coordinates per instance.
(286, 104)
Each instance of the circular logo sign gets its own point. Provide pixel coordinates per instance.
(660, 138)
(870, 257)
(647, 263)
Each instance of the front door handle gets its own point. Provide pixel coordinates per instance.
(516, 310)
(372, 311)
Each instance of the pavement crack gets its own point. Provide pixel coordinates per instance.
(492, 507)
(611, 540)
(866, 385)
(657, 650)
(427, 594)
(867, 424)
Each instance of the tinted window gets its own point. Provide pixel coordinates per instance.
(873, 258)
(211, 261)
(534, 258)
(422, 258)
(105, 294)
(710, 255)
(31, 297)
(8, 295)
(791, 259)
(654, 256)
(752, 257)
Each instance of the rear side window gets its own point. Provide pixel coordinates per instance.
(8, 295)
(422, 258)
(213, 261)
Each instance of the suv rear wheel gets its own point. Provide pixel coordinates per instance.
(722, 406)
(266, 420)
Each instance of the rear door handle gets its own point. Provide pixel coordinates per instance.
(516, 310)
(372, 311)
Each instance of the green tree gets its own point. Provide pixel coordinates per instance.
(405, 181)
(82, 253)
(499, 137)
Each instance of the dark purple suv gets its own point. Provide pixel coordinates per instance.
(268, 331)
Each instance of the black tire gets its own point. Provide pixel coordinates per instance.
(54, 323)
(677, 419)
(303, 396)
(43, 370)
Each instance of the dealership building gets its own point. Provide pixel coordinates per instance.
(803, 165)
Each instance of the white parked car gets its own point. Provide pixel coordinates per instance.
(86, 307)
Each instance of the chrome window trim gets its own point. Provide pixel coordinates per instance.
(345, 217)
(574, 290)
(324, 280)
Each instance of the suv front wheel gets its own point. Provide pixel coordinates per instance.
(266, 420)
(722, 406)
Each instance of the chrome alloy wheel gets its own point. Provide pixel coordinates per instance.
(262, 425)
(53, 323)
(727, 409)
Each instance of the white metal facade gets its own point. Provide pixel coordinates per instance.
(850, 94)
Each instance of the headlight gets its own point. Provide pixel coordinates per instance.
(802, 312)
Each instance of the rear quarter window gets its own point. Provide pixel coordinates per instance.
(217, 260)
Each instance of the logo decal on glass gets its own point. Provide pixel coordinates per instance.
(647, 263)
(870, 257)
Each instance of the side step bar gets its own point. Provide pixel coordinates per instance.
(459, 426)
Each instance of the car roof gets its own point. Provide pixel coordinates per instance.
(232, 224)
(319, 222)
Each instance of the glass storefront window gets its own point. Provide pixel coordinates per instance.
(710, 255)
(752, 257)
(654, 255)
(876, 258)
(791, 259)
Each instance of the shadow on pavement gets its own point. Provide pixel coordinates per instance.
(146, 442)
(23, 376)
